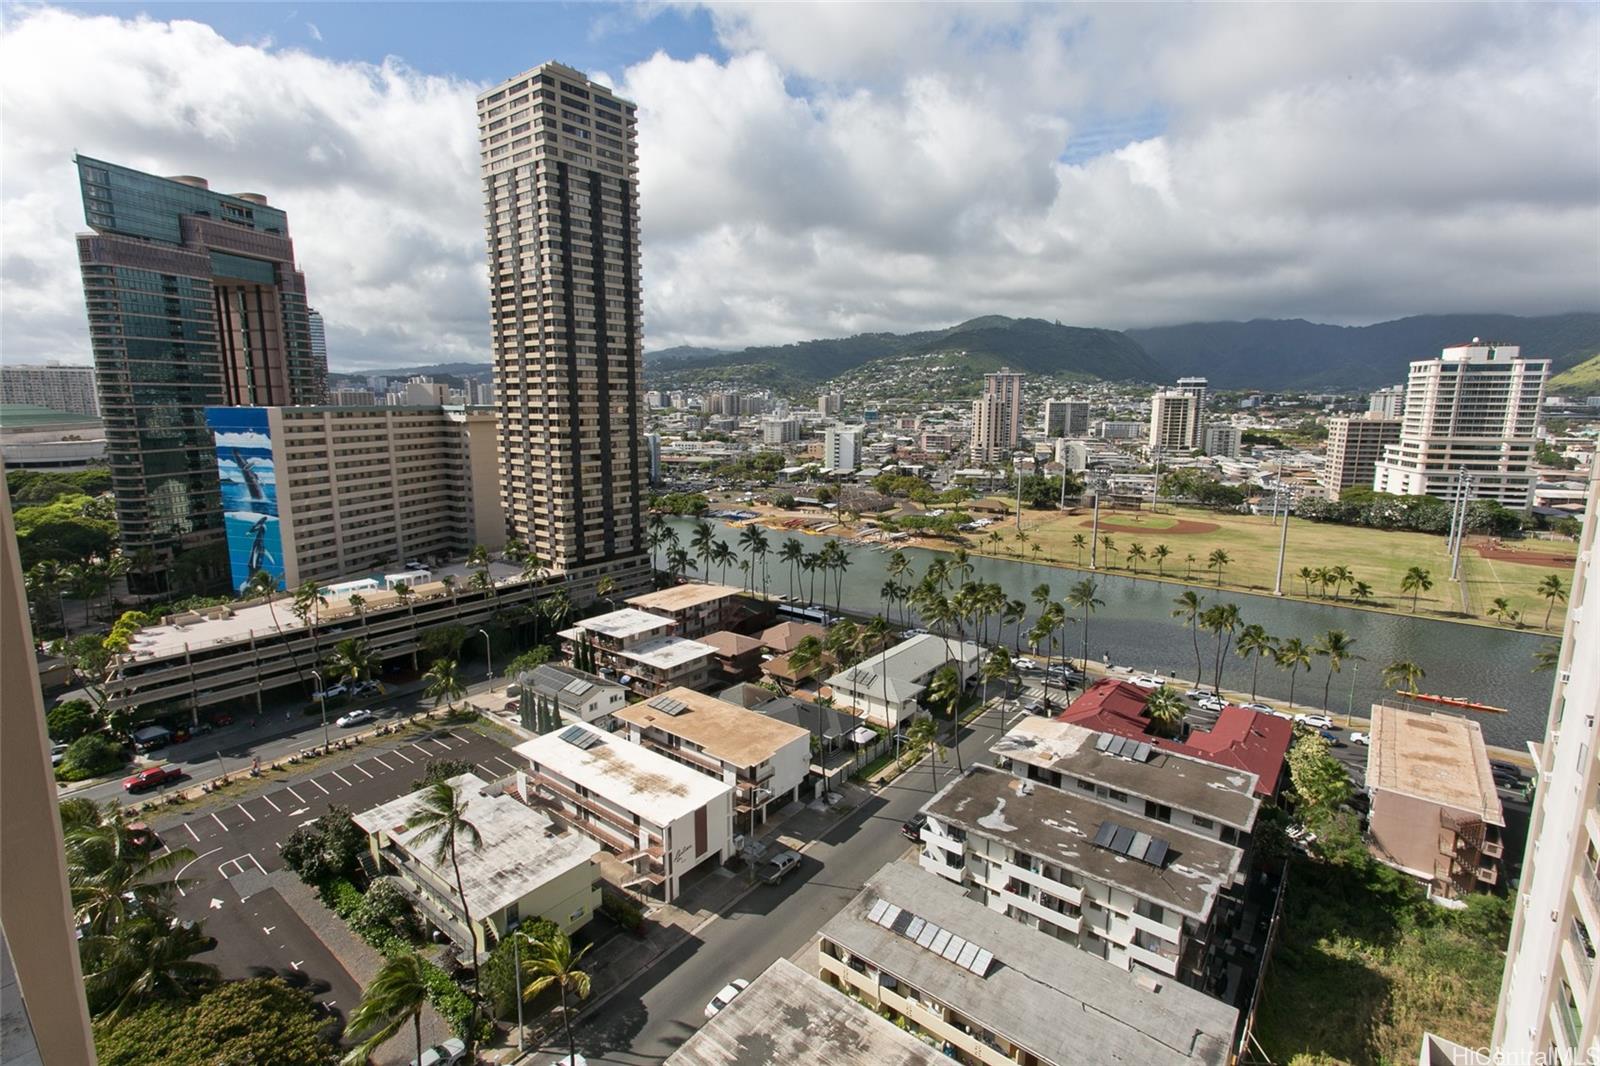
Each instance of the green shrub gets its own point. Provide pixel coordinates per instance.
(499, 979)
(326, 849)
(90, 756)
(263, 1022)
(70, 720)
(623, 911)
(452, 1002)
(385, 910)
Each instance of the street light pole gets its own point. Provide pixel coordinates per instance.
(1283, 545)
(322, 701)
(1094, 531)
(1350, 704)
(488, 660)
(516, 969)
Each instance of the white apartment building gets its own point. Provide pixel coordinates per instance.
(1127, 888)
(57, 386)
(780, 430)
(841, 449)
(1475, 408)
(1550, 995)
(763, 759)
(1174, 422)
(359, 489)
(1221, 441)
(1073, 455)
(1387, 402)
(1066, 418)
(641, 650)
(1355, 444)
(343, 397)
(658, 816)
(997, 417)
(829, 403)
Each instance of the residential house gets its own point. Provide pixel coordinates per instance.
(886, 689)
(577, 695)
(784, 637)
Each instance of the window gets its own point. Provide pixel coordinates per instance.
(1203, 823)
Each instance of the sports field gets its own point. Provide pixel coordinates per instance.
(1377, 557)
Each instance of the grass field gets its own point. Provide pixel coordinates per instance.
(1378, 557)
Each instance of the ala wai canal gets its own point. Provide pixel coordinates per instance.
(1492, 666)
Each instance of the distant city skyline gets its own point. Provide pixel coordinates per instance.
(819, 172)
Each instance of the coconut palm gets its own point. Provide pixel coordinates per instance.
(1220, 621)
(397, 994)
(1500, 609)
(442, 816)
(263, 586)
(1293, 655)
(1159, 553)
(1082, 596)
(1110, 545)
(110, 877)
(1547, 658)
(1306, 574)
(1188, 606)
(1403, 674)
(702, 542)
(1043, 635)
(1080, 542)
(1360, 591)
(1217, 560)
(1416, 581)
(791, 551)
(147, 959)
(553, 963)
(444, 683)
(996, 667)
(924, 734)
(352, 661)
(1188, 566)
(806, 656)
(1552, 591)
(945, 691)
(750, 537)
(1012, 615)
(678, 562)
(1255, 644)
(721, 555)
(1166, 711)
(308, 603)
(1336, 646)
(1136, 555)
(1341, 576)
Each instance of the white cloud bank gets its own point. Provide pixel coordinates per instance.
(862, 167)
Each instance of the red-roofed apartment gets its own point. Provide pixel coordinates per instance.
(1243, 739)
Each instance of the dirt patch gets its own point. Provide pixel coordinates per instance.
(1496, 550)
(1179, 528)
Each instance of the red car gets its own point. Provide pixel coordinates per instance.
(150, 778)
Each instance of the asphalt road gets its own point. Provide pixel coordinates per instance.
(662, 1007)
(237, 845)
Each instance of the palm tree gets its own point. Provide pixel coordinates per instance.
(1320, 576)
(1043, 635)
(996, 667)
(1403, 674)
(1188, 566)
(925, 734)
(872, 637)
(1082, 596)
(655, 536)
(1041, 595)
(841, 564)
(1305, 574)
(748, 536)
(112, 879)
(1416, 581)
(1012, 614)
(1553, 591)
(351, 660)
(443, 816)
(810, 563)
(1254, 643)
(308, 603)
(358, 604)
(702, 542)
(1166, 711)
(722, 555)
(1080, 542)
(263, 586)
(1341, 575)
(760, 545)
(149, 958)
(1109, 544)
(1136, 555)
(1500, 609)
(945, 691)
(554, 963)
(1360, 591)
(1221, 621)
(678, 562)
(805, 655)
(444, 683)
(1188, 605)
(791, 552)
(1159, 553)
(1547, 658)
(1336, 646)
(397, 994)
(1216, 561)
(1022, 541)
(1293, 655)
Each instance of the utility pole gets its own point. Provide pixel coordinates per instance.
(1016, 472)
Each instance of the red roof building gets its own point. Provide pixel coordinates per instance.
(1243, 739)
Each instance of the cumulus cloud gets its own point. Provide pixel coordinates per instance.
(861, 167)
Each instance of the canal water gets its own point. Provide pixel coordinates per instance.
(1492, 666)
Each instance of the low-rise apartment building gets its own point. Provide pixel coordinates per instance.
(1120, 886)
(642, 650)
(529, 865)
(886, 689)
(574, 695)
(1435, 812)
(661, 818)
(991, 992)
(695, 609)
(763, 759)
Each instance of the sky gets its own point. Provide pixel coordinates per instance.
(825, 170)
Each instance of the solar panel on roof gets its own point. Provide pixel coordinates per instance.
(929, 931)
(890, 916)
(876, 913)
(926, 934)
(666, 705)
(1138, 845)
(1120, 842)
(902, 922)
(1103, 741)
(968, 953)
(980, 962)
(577, 686)
(940, 939)
(572, 733)
(913, 928)
(1157, 853)
(1141, 753)
(1104, 835)
(952, 950)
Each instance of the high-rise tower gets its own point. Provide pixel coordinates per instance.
(194, 302)
(997, 417)
(561, 211)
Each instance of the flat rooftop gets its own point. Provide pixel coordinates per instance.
(1059, 826)
(721, 729)
(681, 597)
(624, 623)
(1057, 1001)
(522, 847)
(794, 1019)
(622, 772)
(1437, 757)
(1221, 793)
(666, 653)
(904, 664)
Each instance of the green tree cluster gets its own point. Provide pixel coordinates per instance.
(680, 503)
(67, 529)
(328, 848)
(1417, 514)
(262, 1022)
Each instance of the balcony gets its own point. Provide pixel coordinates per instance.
(1582, 951)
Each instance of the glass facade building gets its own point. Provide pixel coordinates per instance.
(193, 302)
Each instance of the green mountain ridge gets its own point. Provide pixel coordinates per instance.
(1583, 379)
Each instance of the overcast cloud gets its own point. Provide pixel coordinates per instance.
(856, 167)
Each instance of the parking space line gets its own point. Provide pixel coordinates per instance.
(274, 806)
(404, 756)
(340, 776)
(363, 769)
(487, 773)
(426, 754)
(192, 833)
(511, 765)
(247, 814)
(452, 733)
(219, 821)
(313, 781)
(383, 764)
(293, 793)
(179, 875)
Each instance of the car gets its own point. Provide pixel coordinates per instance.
(450, 1053)
(57, 753)
(1147, 681)
(332, 692)
(1315, 721)
(1259, 707)
(368, 687)
(729, 993)
(1212, 703)
(222, 718)
(1333, 739)
(1034, 706)
(1363, 739)
(912, 828)
(345, 721)
(1500, 766)
(151, 777)
(1028, 666)
(1197, 695)
(779, 866)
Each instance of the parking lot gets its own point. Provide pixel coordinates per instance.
(236, 859)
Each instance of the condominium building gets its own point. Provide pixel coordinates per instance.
(780, 430)
(560, 185)
(57, 386)
(1388, 402)
(997, 417)
(1200, 389)
(1222, 441)
(841, 449)
(695, 609)
(1174, 422)
(1474, 409)
(318, 493)
(641, 650)
(194, 302)
(829, 403)
(1355, 444)
(989, 991)
(1066, 418)
(659, 817)
(319, 336)
(1125, 887)
(343, 397)
(887, 688)
(1550, 995)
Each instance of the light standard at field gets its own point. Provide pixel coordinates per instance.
(488, 660)
(322, 701)
(1350, 704)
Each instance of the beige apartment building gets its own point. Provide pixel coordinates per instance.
(997, 417)
(371, 488)
(561, 211)
(1174, 422)
(1354, 447)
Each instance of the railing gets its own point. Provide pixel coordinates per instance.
(1591, 884)
(1583, 952)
